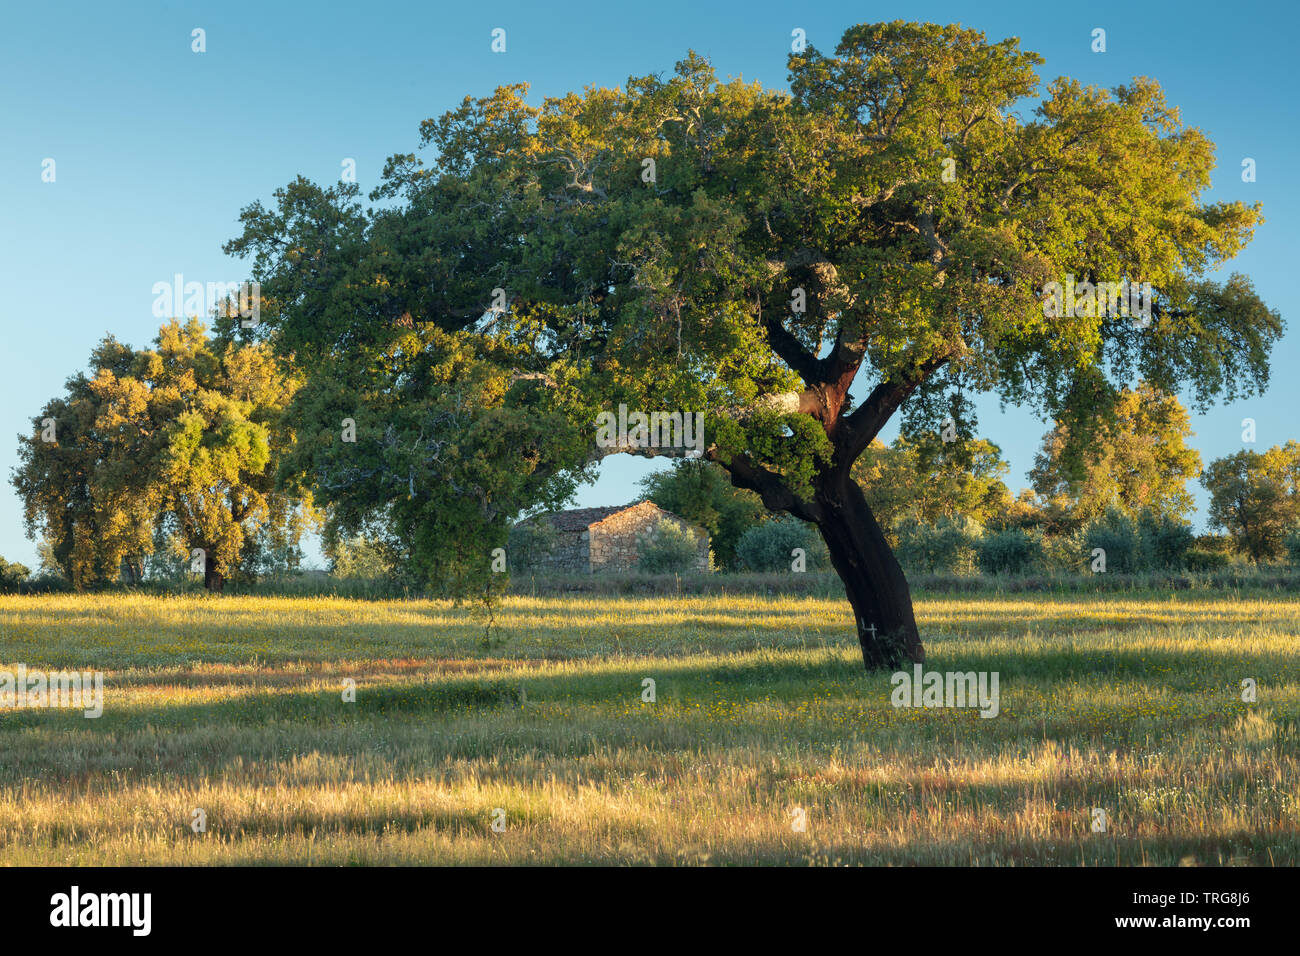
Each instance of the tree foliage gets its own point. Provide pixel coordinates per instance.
(927, 480)
(12, 575)
(433, 440)
(1255, 497)
(181, 436)
(1139, 460)
(701, 492)
(692, 244)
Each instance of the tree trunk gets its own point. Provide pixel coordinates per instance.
(129, 571)
(876, 586)
(213, 579)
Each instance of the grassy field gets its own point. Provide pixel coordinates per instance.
(1127, 703)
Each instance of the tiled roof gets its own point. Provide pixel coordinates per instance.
(580, 519)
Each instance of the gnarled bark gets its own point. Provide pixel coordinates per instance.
(873, 579)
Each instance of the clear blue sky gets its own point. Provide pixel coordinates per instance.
(157, 148)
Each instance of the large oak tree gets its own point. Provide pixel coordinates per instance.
(684, 243)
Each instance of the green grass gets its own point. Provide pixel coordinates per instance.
(1126, 702)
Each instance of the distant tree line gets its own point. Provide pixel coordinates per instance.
(946, 507)
(159, 454)
(159, 458)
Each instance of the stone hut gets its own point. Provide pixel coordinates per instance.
(592, 540)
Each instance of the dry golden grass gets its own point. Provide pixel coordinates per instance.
(1126, 703)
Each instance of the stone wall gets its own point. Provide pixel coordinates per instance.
(614, 543)
(571, 554)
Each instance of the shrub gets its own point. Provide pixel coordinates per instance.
(1165, 541)
(1067, 553)
(1013, 551)
(1153, 542)
(768, 546)
(1116, 534)
(1203, 559)
(528, 544)
(668, 548)
(701, 492)
(947, 546)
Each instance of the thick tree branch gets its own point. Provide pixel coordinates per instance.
(856, 431)
(789, 349)
(866, 202)
(817, 374)
(769, 486)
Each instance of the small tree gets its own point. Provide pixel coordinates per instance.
(529, 543)
(1254, 497)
